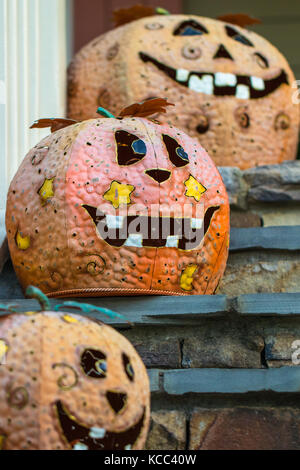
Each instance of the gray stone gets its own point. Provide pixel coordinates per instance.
(156, 352)
(235, 185)
(167, 431)
(274, 183)
(269, 194)
(286, 173)
(222, 346)
(277, 275)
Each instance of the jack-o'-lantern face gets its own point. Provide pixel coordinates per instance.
(231, 87)
(68, 382)
(137, 208)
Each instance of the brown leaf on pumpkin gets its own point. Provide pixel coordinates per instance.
(127, 15)
(146, 108)
(55, 124)
(239, 19)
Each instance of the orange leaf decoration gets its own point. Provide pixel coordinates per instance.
(239, 19)
(55, 124)
(127, 15)
(146, 108)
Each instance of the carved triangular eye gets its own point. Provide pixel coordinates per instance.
(130, 148)
(190, 28)
(234, 34)
(176, 152)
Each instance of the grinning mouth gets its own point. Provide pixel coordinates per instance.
(221, 84)
(81, 437)
(157, 232)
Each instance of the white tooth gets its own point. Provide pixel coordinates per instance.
(196, 223)
(128, 447)
(182, 75)
(204, 85)
(257, 83)
(134, 240)
(172, 241)
(242, 92)
(97, 433)
(114, 221)
(225, 79)
(80, 446)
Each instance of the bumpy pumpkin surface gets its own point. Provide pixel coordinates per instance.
(75, 192)
(68, 382)
(232, 88)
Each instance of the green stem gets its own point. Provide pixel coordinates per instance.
(105, 113)
(35, 293)
(162, 11)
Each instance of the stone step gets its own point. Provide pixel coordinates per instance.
(225, 381)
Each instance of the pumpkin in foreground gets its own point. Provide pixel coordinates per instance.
(118, 206)
(232, 88)
(69, 382)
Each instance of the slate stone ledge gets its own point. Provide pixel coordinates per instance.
(265, 238)
(228, 381)
(279, 304)
(178, 311)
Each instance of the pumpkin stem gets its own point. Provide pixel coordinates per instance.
(88, 308)
(35, 293)
(105, 113)
(9, 307)
(162, 11)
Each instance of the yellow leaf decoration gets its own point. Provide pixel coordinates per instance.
(46, 191)
(3, 349)
(194, 188)
(119, 193)
(70, 319)
(23, 243)
(186, 280)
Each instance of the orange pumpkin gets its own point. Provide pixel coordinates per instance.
(232, 88)
(69, 382)
(118, 206)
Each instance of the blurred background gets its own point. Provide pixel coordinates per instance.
(38, 39)
(280, 19)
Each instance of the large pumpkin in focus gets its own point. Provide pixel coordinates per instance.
(68, 382)
(118, 207)
(232, 88)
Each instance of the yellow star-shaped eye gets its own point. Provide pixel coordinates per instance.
(186, 279)
(23, 243)
(119, 193)
(3, 349)
(194, 188)
(46, 191)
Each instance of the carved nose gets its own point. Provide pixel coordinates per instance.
(116, 400)
(158, 175)
(222, 53)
